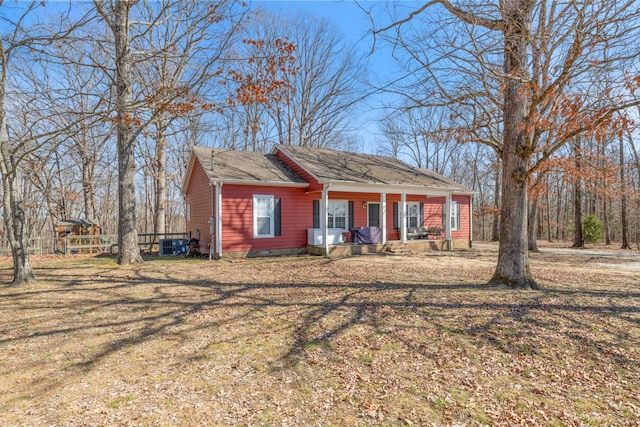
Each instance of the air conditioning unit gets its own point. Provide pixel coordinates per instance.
(314, 236)
(174, 246)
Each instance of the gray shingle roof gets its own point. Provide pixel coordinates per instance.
(325, 165)
(346, 167)
(232, 165)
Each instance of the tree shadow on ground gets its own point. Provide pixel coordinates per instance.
(128, 309)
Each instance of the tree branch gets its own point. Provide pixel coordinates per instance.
(470, 18)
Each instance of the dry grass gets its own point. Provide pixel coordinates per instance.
(371, 340)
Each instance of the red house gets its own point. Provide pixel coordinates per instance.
(299, 199)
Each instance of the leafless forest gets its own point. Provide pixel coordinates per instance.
(102, 101)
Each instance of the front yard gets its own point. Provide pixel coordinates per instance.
(369, 340)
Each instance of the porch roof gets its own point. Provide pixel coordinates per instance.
(347, 168)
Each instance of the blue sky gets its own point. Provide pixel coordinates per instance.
(351, 20)
(348, 18)
(355, 25)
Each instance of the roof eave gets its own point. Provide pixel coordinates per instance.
(394, 188)
(258, 183)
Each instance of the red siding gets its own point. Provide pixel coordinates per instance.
(199, 199)
(433, 215)
(359, 213)
(465, 217)
(237, 218)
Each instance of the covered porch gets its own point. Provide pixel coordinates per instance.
(398, 219)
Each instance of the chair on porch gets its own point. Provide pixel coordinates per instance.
(414, 233)
(436, 232)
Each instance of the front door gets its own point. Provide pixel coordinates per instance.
(374, 214)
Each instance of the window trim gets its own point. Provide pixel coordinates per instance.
(271, 199)
(455, 215)
(454, 208)
(346, 214)
(417, 217)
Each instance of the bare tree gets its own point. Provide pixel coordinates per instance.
(327, 85)
(417, 133)
(117, 20)
(315, 96)
(13, 209)
(28, 39)
(82, 117)
(497, 43)
(136, 111)
(176, 78)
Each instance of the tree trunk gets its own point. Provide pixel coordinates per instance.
(578, 238)
(13, 212)
(533, 221)
(513, 255)
(605, 196)
(495, 229)
(88, 190)
(636, 159)
(559, 198)
(15, 219)
(12, 208)
(623, 199)
(548, 203)
(160, 177)
(128, 251)
(605, 219)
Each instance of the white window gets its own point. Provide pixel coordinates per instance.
(455, 215)
(413, 214)
(337, 212)
(188, 214)
(263, 216)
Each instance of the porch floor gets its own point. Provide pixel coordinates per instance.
(392, 247)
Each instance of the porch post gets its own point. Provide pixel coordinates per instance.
(403, 218)
(447, 221)
(324, 218)
(383, 214)
(218, 220)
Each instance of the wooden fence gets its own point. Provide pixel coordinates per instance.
(37, 246)
(95, 244)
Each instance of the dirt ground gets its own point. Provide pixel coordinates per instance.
(307, 341)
